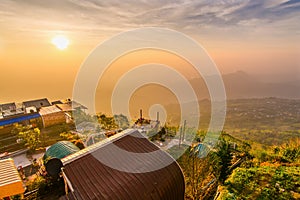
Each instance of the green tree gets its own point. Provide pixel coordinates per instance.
(265, 182)
(30, 137)
(160, 135)
(107, 123)
(81, 116)
(122, 121)
(222, 160)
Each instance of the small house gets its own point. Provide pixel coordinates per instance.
(51, 115)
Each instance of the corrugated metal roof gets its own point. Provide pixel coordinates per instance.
(18, 119)
(49, 110)
(60, 150)
(92, 179)
(64, 107)
(10, 181)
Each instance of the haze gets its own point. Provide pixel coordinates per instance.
(258, 37)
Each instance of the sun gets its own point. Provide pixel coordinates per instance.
(60, 42)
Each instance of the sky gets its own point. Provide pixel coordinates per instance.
(258, 37)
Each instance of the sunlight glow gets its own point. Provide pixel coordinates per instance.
(60, 42)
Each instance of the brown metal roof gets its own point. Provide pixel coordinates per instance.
(91, 179)
(49, 110)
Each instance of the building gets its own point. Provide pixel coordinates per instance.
(25, 119)
(35, 105)
(87, 177)
(70, 105)
(11, 114)
(8, 106)
(56, 102)
(9, 109)
(10, 181)
(51, 115)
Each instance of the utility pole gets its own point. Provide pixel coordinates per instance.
(183, 132)
(180, 132)
(141, 113)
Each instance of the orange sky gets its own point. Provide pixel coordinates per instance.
(264, 40)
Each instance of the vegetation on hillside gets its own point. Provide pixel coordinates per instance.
(233, 170)
(276, 175)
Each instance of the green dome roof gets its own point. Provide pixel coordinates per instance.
(60, 150)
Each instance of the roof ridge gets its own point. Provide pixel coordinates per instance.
(96, 146)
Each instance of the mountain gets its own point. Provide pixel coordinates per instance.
(243, 85)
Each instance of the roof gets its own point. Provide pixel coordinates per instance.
(60, 150)
(19, 118)
(10, 113)
(38, 103)
(49, 110)
(75, 104)
(90, 178)
(10, 181)
(65, 107)
(70, 105)
(8, 106)
(56, 102)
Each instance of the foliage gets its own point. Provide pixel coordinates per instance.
(36, 183)
(74, 138)
(160, 135)
(16, 197)
(165, 132)
(288, 152)
(42, 186)
(78, 143)
(273, 173)
(107, 123)
(142, 121)
(80, 116)
(69, 136)
(221, 160)
(198, 174)
(29, 136)
(291, 151)
(263, 183)
(122, 121)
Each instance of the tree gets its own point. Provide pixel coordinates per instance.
(160, 135)
(107, 123)
(80, 116)
(198, 174)
(29, 136)
(122, 121)
(222, 161)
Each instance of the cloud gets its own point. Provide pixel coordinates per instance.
(94, 18)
